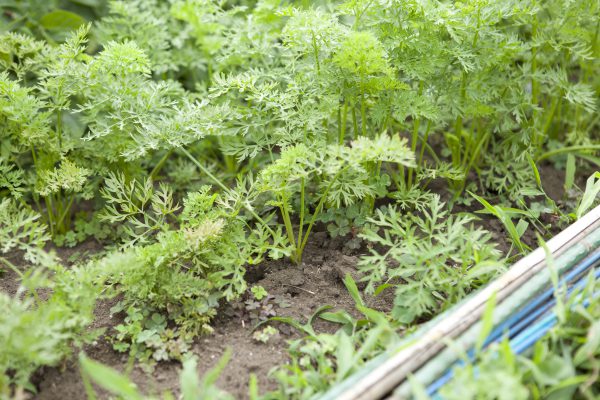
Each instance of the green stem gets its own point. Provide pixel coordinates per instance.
(549, 119)
(402, 175)
(49, 214)
(589, 70)
(568, 150)
(160, 164)
(209, 73)
(222, 186)
(33, 155)
(534, 83)
(205, 170)
(317, 211)
(302, 200)
(413, 147)
(363, 116)
(393, 176)
(316, 53)
(472, 159)
(424, 144)
(339, 125)
(66, 211)
(354, 122)
(59, 128)
(468, 145)
(59, 206)
(342, 134)
(11, 266)
(456, 154)
(372, 198)
(288, 224)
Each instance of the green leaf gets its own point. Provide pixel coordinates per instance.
(591, 345)
(109, 379)
(535, 170)
(345, 352)
(374, 316)
(88, 3)
(253, 392)
(487, 323)
(570, 171)
(339, 317)
(504, 217)
(189, 380)
(62, 20)
(522, 226)
(211, 376)
(353, 290)
(592, 189)
(381, 288)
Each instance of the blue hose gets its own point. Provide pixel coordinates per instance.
(545, 296)
(519, 342)
(518, 327)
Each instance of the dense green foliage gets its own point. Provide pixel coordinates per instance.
(461, 257)
(195, 139)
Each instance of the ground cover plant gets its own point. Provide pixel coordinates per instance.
(174, 173)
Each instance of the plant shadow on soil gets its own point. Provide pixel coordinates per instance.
(317, 282)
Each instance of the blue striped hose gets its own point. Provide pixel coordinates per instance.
(516, 326)
(548, 294)
(518, 344)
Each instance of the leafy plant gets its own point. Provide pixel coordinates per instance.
(254, 310)
(322, 358)
(144, 211)
(562, 364)
(114, 113)
(20, 229)
(258, 292)
(345, 221)
(36, 333)
(343, 180)
(505, 216)
(265, 334)
(181, 277)
(432, 260)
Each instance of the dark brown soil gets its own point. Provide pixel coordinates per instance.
(315, 283)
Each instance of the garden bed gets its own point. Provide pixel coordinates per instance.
(300, 182)
(305, 288)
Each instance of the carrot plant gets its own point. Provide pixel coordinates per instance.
(36, 332)
(431, 261)
(341, 180)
